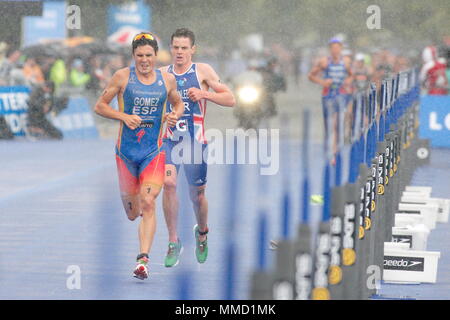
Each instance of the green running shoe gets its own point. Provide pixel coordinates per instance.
(201, 248)
(173, 254)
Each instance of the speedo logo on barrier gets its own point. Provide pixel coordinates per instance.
(402, 239)
(403, 263)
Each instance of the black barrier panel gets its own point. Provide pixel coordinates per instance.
(384, 153)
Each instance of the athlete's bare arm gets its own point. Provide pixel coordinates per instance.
(220, 95)
(174, 98)
(317, 69)
(116, 86)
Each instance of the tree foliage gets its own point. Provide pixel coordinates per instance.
(404, 23)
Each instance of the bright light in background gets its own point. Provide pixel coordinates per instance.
(248, 94)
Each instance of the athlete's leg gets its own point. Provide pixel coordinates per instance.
(129, 188)
(330, 125)
(151, 180)
(198, 198)
(170, 207)
(200, 204)
(196, 177)
(170, 201)
(333, 108)
(335, 117)
(197, 194)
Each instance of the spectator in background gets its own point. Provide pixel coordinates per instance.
(33, 72)
(40, 103)
(16, 76)
(383, 66)
(45, 62)
(58, 73)
(78, 77)
(5, 66)
(401, 64)
(433, 73)
(5, 131)
(361, 73)
(98, 78)
(274, 82)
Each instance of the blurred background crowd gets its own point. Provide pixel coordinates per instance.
(83, 64)
(233, 37)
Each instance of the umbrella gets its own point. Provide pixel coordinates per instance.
(39, 50)
(97, 47)
(76, 41)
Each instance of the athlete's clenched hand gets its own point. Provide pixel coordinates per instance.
(327, 82)
(132, 121)
(171, 119)
(196, 94)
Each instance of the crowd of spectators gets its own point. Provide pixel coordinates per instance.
(54, 72)
(83, 70)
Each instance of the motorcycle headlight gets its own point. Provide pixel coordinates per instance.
(248, 94)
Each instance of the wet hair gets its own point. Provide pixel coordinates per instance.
(144, 42)
(183, 33)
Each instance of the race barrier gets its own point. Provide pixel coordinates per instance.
(374, 226)
(75, 121)
(13, 107)
(435, 120)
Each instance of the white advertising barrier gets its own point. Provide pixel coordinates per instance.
(421, 198)
(419, 194)
(418, 189)
(410, 266)
(429, 211)
(396, 246)
(415, 237)
(406, 219)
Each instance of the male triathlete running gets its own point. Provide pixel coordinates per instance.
(194, 81)
(142, 94)
(336, 82)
